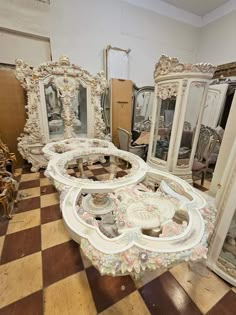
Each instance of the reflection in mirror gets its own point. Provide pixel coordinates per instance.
(196, 92)
(142, 110)
(79, 105)
(105, 104)
(162, 132)
(54, 109)
(228, 253)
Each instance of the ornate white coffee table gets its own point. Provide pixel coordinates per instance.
(124, 225)
(57, 147)
(52, 149)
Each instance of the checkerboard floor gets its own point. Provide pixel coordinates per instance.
(42, 270)
(100, 171)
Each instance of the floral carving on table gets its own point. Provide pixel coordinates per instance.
(135, 260)
(131, 251)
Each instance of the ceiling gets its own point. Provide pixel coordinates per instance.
(198, 7)
(194, 12)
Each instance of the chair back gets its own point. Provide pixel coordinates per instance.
(187, 125)
(124, 139)
(206, 143)
(214, 138)
(146, 125)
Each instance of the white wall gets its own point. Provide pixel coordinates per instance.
(82, 29)
(217, 43)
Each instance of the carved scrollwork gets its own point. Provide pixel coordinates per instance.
(66, 79)
(167, 65)
(168, 90)
(226, 266)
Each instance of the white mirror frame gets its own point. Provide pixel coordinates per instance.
(66, 78)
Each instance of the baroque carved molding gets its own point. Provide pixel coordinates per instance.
(132, 208)
(167, 90)
(66, 79)
(227, 267)
(167, 65)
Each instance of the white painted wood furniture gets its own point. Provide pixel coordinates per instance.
(63, 102)
(123, 225)
(58, 147)
(222, 255)
(180, 95)
(214, 104)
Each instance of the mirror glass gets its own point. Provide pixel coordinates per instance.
(143, 103)
(196, 92)
(105, 104)
(161, 139)
(79, 105)
(227, 256)
(54, 109)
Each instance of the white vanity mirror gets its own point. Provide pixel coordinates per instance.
(64, 101)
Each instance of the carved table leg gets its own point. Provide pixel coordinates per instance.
(80, 167)
(4, 203)
(13, 161)
(102, 159)
(113, 167)
(99, 199)
(8, 210)
(34, 169)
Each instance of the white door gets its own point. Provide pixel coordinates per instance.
(214, 104)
